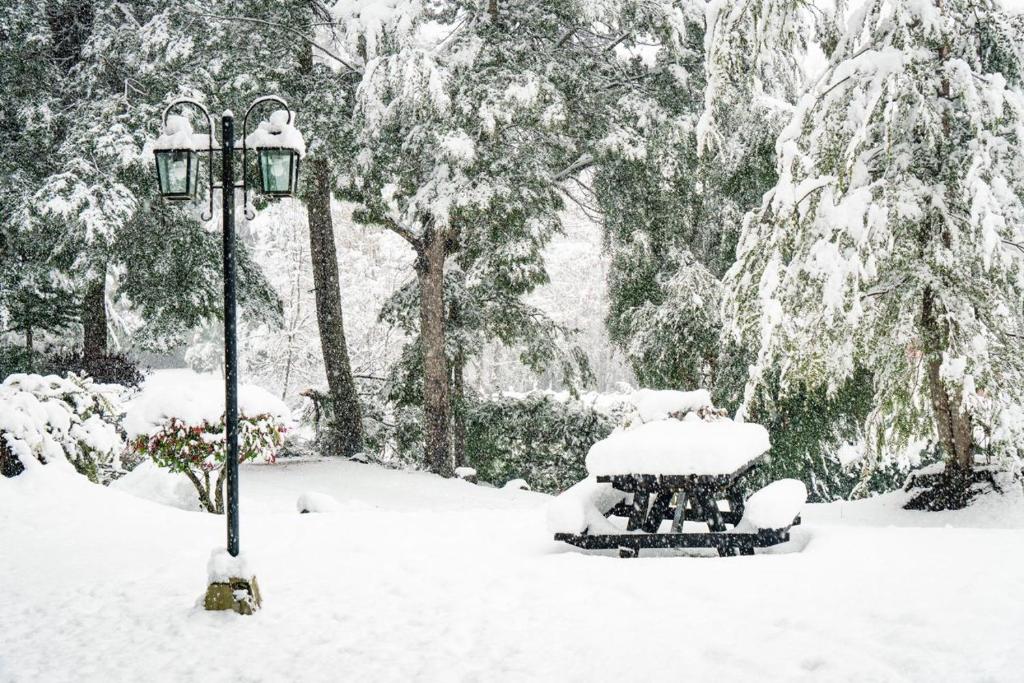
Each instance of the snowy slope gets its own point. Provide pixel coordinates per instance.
(418, 578)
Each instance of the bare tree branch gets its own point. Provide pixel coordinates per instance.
(283, 27)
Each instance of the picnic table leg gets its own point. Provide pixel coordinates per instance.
(735, 501)
(680, 514)
(658, 511)
(639, 511)
(711, 512)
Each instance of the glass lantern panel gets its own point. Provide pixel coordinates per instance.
(177, 172)
(277, 170)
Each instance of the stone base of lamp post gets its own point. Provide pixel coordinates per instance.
(238, 595)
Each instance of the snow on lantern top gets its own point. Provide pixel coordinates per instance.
(178, 134)
(277, 132)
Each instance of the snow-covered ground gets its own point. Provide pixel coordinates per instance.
(417, 578)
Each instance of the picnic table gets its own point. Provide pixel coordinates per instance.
(659, 485)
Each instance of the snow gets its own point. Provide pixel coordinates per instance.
(657, 405)
(154, 483)
(427, 579)
(193, 398)
(178, 134)
(519, 484)
(277, 132)
(465, 472)
(582, 508)
(311, 501)
(222, 567)
(46, 419)
(775, 506)
(679, 447)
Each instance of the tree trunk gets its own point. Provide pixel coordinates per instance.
(345, 433)
(953, 425)
(94, 318)
(29, 340)
(459, 409)
(436, 401)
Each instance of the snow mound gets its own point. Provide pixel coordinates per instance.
(467, 473)
(655, 405)
(311, 501)
(194, 399)
(679, 447)
(150, 482)
(277, 132)
(517, 484)
(582, 508)
(178, 134)
(775, 506)
(222, 567)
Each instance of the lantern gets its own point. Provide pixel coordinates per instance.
(177, 173)
(279, 170)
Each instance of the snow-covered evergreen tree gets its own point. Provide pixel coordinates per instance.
(466, 120)
(893, 238)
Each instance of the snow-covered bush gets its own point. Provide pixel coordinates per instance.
(60, 421)
(539, 437)
(178, 421)
(198, 450)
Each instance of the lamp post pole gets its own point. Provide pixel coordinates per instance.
(279, 147)
(227, 129)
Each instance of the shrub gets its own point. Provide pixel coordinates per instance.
(197, 451)
(51, 420)
(540, 437)
(114, 368)
(177, 420)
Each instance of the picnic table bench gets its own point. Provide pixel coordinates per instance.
(692, 492)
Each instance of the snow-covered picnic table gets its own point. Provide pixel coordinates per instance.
(678, 470)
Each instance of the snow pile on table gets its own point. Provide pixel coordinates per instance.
(150, 482)
(51, 419)
(195, 400)
(222, 567)
(582, 509)
(775, 506)
(178, 134)
(277, 132)
(311, 501)
(690, 446)
(652, 405)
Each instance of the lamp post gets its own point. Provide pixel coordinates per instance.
(279, 148)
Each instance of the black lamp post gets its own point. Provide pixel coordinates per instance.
(177, 166)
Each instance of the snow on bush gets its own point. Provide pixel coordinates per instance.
(178, 421)
(68, 421)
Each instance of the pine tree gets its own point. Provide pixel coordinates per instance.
(893, 240)
(463, 136)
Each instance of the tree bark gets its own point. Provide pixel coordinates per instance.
(94, 318)
(952, 423)
(345, 431)
(459, 409)
(436, 400)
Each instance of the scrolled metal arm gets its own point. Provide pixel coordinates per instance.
(188, 101)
